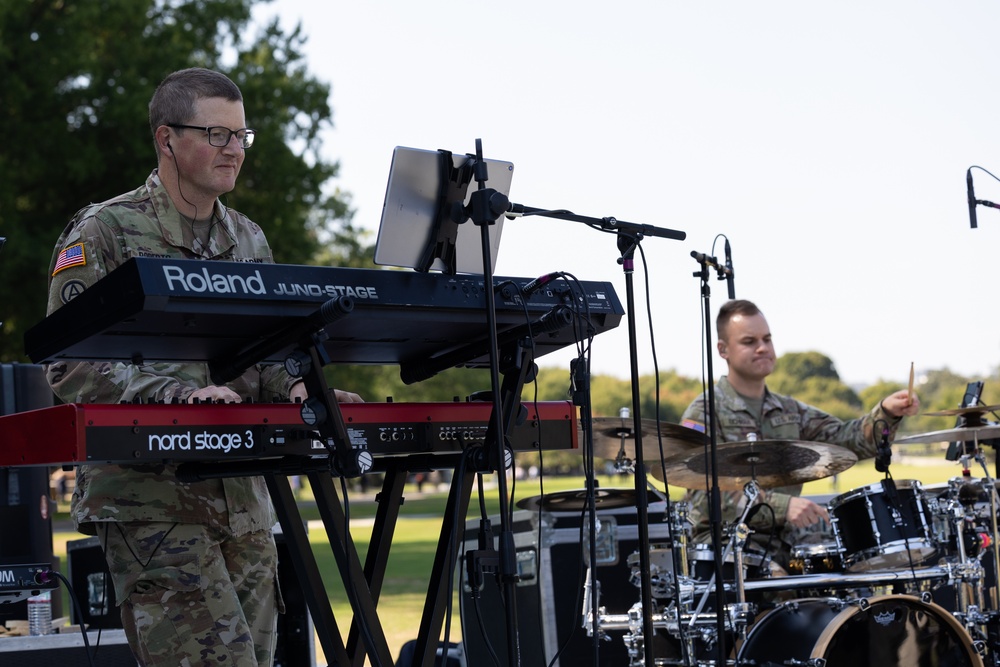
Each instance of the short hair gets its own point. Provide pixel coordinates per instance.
(174, 99)
(729, 310)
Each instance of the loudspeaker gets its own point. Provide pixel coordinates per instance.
(552, 565)
(93, 587)
(26, 507)
(88, 574)
(484, 617)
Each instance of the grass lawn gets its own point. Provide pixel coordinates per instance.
(417, 532)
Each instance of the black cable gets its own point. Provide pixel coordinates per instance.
(128, 546)
(676, 565)
(984, 171)
(79, 613)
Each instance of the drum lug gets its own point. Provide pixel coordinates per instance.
(860, 603)
(980, 647)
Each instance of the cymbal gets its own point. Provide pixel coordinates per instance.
(959, 433)
(772, 463)
(954, 412)
(611, 432)
(576, 500)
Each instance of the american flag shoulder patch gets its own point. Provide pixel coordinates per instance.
(71, 256)
(690, 423)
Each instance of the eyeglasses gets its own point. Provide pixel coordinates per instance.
(219, 136)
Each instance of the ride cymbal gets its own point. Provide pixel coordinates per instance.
(959, 433)
(612, 434)
(954, 412)
(772, 463)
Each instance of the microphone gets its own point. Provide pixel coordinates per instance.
(972, 198)
(729, 271)
(883, 453)
(539, 282)
(723, 272)
(702, 258)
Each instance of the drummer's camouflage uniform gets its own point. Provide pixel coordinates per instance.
(144, 223)
(783, 418)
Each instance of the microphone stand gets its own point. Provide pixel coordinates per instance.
(715, 503)
(486, 205)
(629, 235)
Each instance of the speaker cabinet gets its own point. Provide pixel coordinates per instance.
(552, 565)
(26, 507)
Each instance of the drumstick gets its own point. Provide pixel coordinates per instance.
(909, 392)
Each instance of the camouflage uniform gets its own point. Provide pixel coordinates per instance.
(784, 418)
(201, 521)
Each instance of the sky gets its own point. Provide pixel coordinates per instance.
(829, 142)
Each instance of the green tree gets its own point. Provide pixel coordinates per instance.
(75, 81)
(812, 378)
(802, 365)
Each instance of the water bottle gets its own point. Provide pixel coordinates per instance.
(40, 614)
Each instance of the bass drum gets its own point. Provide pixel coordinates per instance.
(889, 631)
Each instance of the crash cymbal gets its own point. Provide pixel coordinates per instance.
(576, 500)
(611, 432)
(957, 434)
(772, 463)
(954, 412)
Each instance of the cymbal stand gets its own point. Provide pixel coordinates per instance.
(974, 613)
(741, 612)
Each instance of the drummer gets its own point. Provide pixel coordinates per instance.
(745, 406)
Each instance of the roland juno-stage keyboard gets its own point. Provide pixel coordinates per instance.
(75, 434)
(154, 309)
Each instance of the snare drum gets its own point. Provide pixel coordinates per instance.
(889, 630)
(876, 532)
(701, 561)
(821, 558)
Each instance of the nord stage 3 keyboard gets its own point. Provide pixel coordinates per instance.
(75, 434)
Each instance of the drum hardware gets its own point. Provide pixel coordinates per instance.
(948, 572)
(769, 463)
(740, 613)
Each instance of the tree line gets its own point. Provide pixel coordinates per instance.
(75, 81)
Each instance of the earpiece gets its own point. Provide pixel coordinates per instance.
(170, 148)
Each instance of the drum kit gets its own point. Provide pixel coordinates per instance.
(909, 578)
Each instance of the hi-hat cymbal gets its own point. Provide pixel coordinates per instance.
(613, 433)
(772, 463)
(576, 500)
(957, 434)
(954, 412)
